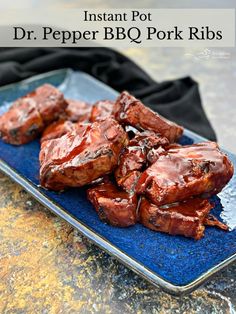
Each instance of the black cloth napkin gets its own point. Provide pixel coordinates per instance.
(178, 100)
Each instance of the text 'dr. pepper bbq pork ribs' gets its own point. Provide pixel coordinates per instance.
(29, 115)
(130, 111)
(75, 160)
(185, 171)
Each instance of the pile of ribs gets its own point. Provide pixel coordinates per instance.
(127, 154)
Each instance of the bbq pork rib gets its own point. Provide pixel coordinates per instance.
(133, 158)
(101, 110)
(77, 111)
(74, 160)
(83, 144)
(185, 171)
(113, 206)
(29, 115)
(21, 124)
(59, 128)
(187, 218)
(130, 111)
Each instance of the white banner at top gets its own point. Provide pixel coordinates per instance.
(118, 28)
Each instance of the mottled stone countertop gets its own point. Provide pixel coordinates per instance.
(47, 267)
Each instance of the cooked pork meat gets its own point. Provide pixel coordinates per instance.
(186, 171)
(60, 128)
(83, 144)
(212, 221)
(21, 124)
(101, 110)
(154, 154)
(130, 111)
(29, 115)
(75, 160)
(148, 140)
(134, 157)
(113, 206)
(49, 101)
(185, 218)
(128, 183)
(78, 111)
(57, 129)
(78, 130)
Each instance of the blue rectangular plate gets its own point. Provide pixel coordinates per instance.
(176, 263)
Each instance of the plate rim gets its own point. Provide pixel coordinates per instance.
(36, 77)
(97, 239)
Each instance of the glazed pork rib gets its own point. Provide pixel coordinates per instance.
(113, 206)
(29, 115)
(186, 171)
(59, 128)
(133, 158)
(21, 123)
(101, 110)
(130, 111)
(187, 218)
(77, 111)
(75, 160)
(83, 144)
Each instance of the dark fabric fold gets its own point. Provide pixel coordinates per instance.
(178, 100)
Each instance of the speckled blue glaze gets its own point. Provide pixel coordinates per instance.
(175, 259)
